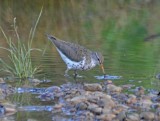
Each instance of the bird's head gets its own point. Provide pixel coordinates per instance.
(99, 59)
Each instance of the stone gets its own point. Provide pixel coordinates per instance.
(89, 116)
(157, 116)
(127, 86)
(92, 98)
(133, 117)
(92, 106)
(122, 116)
(93, 87)
(132, 99)
(58, 106)
(2, 80)
(157, 99)
(139, 91)
(108, 102)
(96, 111)
(113, 89)
(101, 103)
(53, 89)
(81, 106)
(147, 116)
(10, 109)
(83, 116)
(145, 103)
(2, 110)
(105, 117)
(117, 110)
(77, 99)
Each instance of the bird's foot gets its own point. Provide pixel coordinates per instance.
(77, 76)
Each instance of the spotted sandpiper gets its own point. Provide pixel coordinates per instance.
(75, 56)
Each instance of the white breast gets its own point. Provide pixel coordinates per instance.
(71, 64)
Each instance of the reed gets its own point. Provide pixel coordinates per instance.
(20, 53)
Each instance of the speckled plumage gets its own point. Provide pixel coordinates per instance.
(75, 56)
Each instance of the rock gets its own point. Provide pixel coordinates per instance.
(117, 110)
(105, 117)
(101, 103)
(122, 116)
(92, 98)
(58, 106)
(85, 116)
(145, 103)
(10, 109)
(127, 86)
(108, 102)
(157, 116)
(53, 89)
(132, 99)
(35, 81)
(58, 118)
(133, 117)
(92, 106)
(100, 95)
(2, 80)
(139, 91)
(147, 116)
(89, 116)
(81, 106)
(156, 99)
(96, 111)
(120, 97)
(72, 93)
(113, 89)
(78, 99)
(2, 110)
(108, 105)
(92, 87)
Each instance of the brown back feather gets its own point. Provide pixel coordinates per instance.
(72, 51)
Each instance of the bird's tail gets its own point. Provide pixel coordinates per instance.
(51, 37)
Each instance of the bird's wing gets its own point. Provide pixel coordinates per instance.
(72, 51)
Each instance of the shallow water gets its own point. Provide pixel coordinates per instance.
(117, 29)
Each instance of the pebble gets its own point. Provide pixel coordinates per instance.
(2, 81)
(106, 117)
(113, 89)
(122, 116)
(132, 99)
(147, 116)
(78, 99)
(93, 87)
(133, 117)
(139, 91)
(81, 106)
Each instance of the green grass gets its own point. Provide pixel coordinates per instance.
(20, 53)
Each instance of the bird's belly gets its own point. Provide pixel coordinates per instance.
(71, 64)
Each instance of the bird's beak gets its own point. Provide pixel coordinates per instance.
(102, 67)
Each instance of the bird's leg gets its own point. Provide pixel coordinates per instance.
(76, 75)
(66, 73)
